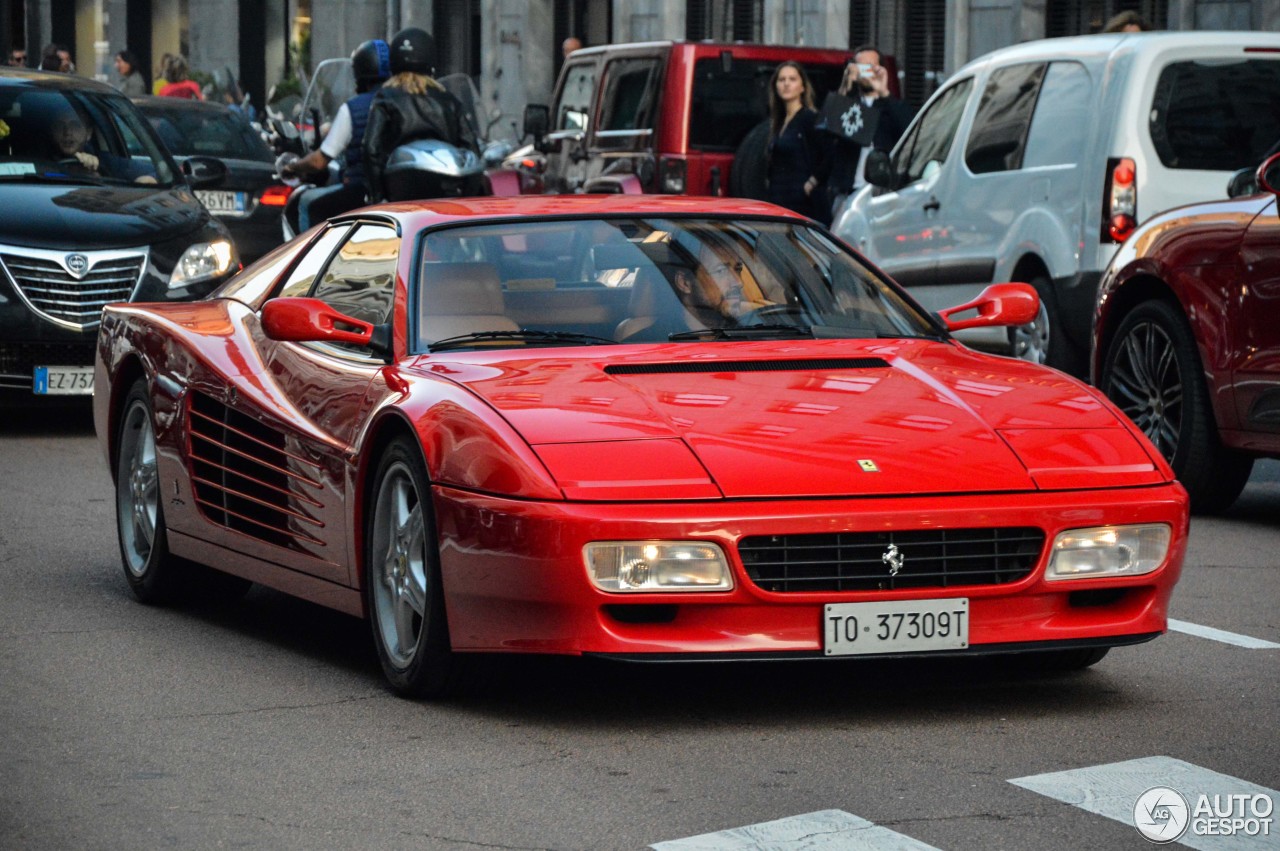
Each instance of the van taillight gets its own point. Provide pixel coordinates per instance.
(674, 173)
(1120, 204)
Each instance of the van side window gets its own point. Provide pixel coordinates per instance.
(1218, 116)
(999, 133)
(929, 141)
(630, 92)
(1060, 128)
(575, 98)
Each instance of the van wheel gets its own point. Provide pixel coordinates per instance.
(1153, 373)
(749, 176)
(1043, 340)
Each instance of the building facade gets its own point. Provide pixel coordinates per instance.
(512, 48)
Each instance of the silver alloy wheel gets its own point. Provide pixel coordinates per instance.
(1031, 341)
(1146, 383)
(137, 489)
(398, 566)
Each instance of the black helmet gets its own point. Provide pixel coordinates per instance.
(371, 61)
(413, 50)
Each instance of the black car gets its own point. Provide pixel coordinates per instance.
(250, 200)
(93, 210)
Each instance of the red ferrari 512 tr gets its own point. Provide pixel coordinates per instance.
(641, 427)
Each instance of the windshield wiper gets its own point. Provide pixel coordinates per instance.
(745, 332)
(524, 335)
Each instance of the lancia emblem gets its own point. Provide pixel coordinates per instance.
(893, 558)
(77, 264)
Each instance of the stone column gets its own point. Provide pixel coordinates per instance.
(214, 33)
(338, 26)
(648, 20)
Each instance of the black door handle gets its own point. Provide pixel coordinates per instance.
(932, 205)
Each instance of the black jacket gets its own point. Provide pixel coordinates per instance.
(397, 117)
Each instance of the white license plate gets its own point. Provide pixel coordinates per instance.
(222, 201)
(63, 381)
(899, 626)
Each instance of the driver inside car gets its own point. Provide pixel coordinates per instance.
(69, 135)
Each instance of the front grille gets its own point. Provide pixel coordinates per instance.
(245, 479)
(19, 360)
(860, 561)
(52, 291)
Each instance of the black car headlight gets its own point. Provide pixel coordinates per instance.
(203, 261)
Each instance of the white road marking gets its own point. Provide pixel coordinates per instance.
(1111, 791)
(1222, 635)
(825, 830)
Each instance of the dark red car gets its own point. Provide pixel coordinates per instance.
(1187, 337)
(642, 427)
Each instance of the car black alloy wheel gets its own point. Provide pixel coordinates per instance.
(403, 591)
(1153, 373)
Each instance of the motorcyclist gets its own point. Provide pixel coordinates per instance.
(410, 106)
(371, 65)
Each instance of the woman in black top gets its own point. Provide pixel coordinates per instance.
(795, 148)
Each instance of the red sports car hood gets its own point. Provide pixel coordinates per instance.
(804, 419)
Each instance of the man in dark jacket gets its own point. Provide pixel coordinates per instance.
(865, 78)
(371, 64)
(411, 106)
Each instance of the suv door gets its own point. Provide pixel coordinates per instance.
(571, 119)
(626, 117)
(902, 222)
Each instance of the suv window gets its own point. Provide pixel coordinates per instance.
(1000, 126)
(630, 92)
(575, 98)
(929, 141)
(1217, 115)
(1060, 128)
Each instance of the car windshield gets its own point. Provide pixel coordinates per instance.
(69, 136)
(645, 280)
(205, 131)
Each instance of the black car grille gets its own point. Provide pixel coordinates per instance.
(19, 360)
(245, 479)
(861, 561)
(58, 295)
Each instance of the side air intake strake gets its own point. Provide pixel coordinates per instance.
(810, 365)
(245, 479)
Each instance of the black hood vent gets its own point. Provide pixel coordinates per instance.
(808, 365)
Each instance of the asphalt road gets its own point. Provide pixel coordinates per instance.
(266, 724)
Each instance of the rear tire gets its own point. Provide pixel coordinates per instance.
(1153, 373)
(403, 592)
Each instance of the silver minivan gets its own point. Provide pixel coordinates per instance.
(1034, 162)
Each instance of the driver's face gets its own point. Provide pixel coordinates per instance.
(69, 134)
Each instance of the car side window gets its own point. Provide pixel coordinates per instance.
(1060, 127)
(360, 280)
(304, 274)
(630, 93)
(574, 110)
(999, 133)
(930, 139)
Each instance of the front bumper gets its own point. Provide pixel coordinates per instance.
(515, 581)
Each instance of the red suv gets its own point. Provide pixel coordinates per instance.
(664, 116)
(1186, 340)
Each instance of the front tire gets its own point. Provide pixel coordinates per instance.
(154, 574)
(403, 591)
(1153, 373)
(1043, 340)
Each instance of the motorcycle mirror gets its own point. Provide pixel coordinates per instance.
(537, 121)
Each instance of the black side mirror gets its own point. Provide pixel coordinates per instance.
(204, 172)
(879, 170)
(537, 122)
(1243, 182)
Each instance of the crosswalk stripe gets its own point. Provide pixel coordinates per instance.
(1222, 635)
(1112, 790)
(825, 830)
